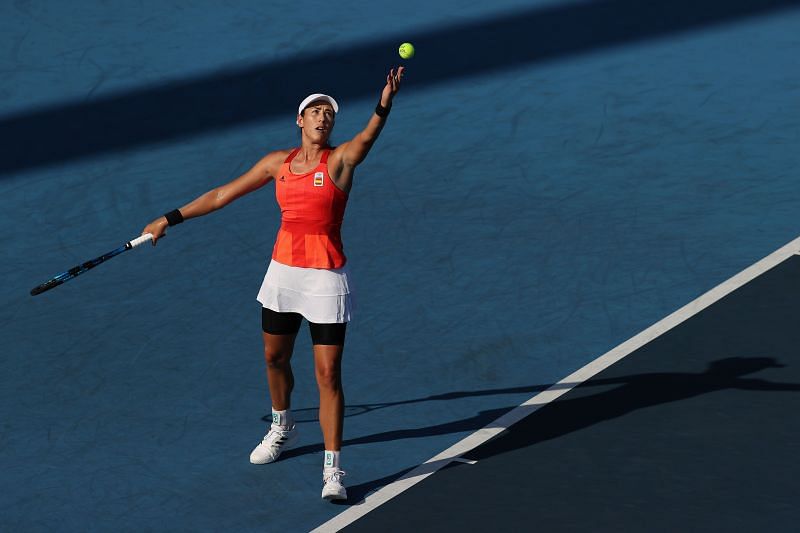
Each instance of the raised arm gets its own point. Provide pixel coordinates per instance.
(350, 154)
(258, 176)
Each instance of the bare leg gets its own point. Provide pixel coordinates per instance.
(328, 365)
(278, 353)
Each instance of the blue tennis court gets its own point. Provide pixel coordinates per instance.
(555, 178)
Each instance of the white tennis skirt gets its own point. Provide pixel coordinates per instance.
(321, 295)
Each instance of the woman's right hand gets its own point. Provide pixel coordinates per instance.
(157, 228)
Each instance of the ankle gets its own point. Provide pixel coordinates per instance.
(283, 418)
(331, 461)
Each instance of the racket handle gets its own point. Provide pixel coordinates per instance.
(140, 240)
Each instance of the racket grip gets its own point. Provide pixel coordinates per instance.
(141, 240)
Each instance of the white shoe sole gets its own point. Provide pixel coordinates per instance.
(331, 496)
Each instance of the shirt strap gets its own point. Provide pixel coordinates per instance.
(291, 156)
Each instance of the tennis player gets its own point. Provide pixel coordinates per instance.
(308, 276)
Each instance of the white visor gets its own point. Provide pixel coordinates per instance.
(317, 97)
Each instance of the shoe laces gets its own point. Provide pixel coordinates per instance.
(335, 476)
(275, 435)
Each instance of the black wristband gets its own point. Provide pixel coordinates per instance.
(174, 217)
(381, 111)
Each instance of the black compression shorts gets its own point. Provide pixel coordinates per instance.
(276, 323)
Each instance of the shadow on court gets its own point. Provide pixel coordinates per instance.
(562, 417)
(631, 393)
(310, 414)
(237, 96)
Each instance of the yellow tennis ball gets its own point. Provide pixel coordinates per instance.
(406, 50)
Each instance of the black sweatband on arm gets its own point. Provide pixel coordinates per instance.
(174, 217)
(381, 111)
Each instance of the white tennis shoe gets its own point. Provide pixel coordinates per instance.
(332, 488)
(275, 441)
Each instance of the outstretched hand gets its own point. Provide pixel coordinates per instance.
(392, 85)
(157, 228)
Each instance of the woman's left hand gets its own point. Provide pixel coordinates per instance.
(392, 85)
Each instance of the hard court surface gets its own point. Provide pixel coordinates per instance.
(555, 178)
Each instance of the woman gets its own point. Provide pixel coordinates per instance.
(308, 276)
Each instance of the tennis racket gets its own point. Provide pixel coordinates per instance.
(88, 265)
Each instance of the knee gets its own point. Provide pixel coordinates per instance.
(329, 377)
(276, 358)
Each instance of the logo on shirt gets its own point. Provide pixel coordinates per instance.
(319, 179)
(282, 178)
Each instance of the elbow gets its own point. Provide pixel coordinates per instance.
(217, 200)
(367, 140)
(220, 199)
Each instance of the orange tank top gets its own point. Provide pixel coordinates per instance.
(312, 211)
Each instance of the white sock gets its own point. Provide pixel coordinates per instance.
(282, 418)
(331, 461)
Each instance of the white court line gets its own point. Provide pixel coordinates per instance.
(381, 496)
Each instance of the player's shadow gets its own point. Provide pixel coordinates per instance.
(583, 408)
(309, 414)
(447, 54)
(631, 393)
